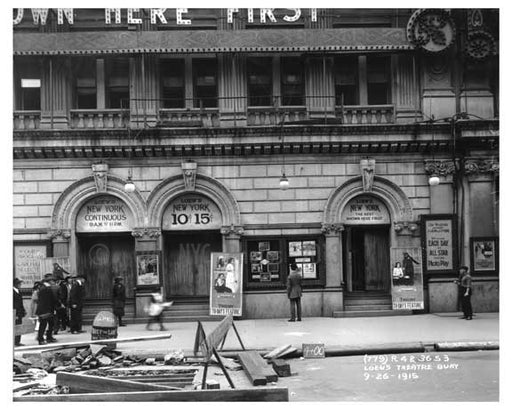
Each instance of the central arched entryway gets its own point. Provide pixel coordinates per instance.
(366, 244)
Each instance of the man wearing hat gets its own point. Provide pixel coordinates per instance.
(76, 302)
(46, 306)
(118, 299)
(18, 308)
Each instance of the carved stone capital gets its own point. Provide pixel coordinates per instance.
(59, 234)
(232, 230)
(151, 233)
(481, 166)
(439, 168)
(99, 172)
(332, 229)
(406, 227)
(189, 170)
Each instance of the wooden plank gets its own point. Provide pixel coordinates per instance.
(286, 352)
(276, 351)
(281, 368)
(52, 346)
(82, 383)
(252, 367)
(260, 394)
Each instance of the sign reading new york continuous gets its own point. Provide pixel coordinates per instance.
(191, 212)
(104, 214)
(365, 209)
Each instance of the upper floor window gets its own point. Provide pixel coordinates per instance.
(205, 82)
(362, 80)
(173, 83)
(259, 81)
(28, 84)
(117, 83)
(85, 83)
(292, 81)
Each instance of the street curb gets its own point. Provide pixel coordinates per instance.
(334, 351)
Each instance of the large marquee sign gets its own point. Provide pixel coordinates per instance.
(191, 212)
(365, 210)
(104, 213)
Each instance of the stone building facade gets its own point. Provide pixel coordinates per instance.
(206, 117)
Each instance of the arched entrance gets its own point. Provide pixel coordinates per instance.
(105, 246)
(366, 244)
(191, 232)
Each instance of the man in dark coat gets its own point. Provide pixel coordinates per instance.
(18, 308)
(62, 311)
(76, 303)
(46, 305)
(294, 290)
(118, 299)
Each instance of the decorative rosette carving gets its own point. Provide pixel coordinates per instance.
(480, 45)
(149, 232)
(472, 167)
(232, 230)
(431, 29)
(62, 234)
(331, 228)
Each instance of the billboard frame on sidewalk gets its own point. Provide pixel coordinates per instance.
(226, 280)
(407, 283)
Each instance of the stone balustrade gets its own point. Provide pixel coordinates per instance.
(99, 119)
(271, 116)
(27, 120)
(366, 114)
(206, 117)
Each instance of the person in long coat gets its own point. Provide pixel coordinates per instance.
(294, 291)
(18, 307)
(46, 306)
(76, 303)
(118, 299)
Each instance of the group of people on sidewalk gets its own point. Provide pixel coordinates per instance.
(56, 303)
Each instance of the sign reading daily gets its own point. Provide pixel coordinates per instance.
(191, 212)
(104, 214)
(365, 209)
(439, 245)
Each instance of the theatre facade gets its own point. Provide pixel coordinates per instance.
(346, 141)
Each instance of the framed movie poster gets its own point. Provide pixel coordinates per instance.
(226, 283)
(484, 254)
(148, 269)
(439, 233)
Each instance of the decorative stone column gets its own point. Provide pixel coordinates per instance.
(231, 236)
(55, 93)
(333, 293)
(441, 196)
(60, 244)
(146, 240)
(232, 89)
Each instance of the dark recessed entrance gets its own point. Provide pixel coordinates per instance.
(187, 262)
(366, 264)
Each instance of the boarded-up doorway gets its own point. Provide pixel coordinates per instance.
(187, 262)
(102, 258)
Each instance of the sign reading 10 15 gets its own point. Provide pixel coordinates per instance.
(192, 212)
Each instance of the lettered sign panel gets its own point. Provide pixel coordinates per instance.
(365, 210)
(226, 284)
(104, 213)
(439, 243)
(407, 279)
(191, 213)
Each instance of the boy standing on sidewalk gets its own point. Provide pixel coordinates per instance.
(294, 290)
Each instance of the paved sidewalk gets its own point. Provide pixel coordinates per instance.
(334, 333)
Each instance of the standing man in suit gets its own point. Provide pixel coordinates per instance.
(118, 299)
(294, 290)
(76, 303)
(46, 305)
(18, 308)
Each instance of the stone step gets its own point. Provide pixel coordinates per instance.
(354, 302)
(371, 313)
(384, 306)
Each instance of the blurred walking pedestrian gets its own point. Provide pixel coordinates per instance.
(156, 309)
(19, 309)
(118, 299)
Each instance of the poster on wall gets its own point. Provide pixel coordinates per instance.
(27, 262)
(406, 279)
(226, 283)
(148, 269)
(484, 254)
(438, 242)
